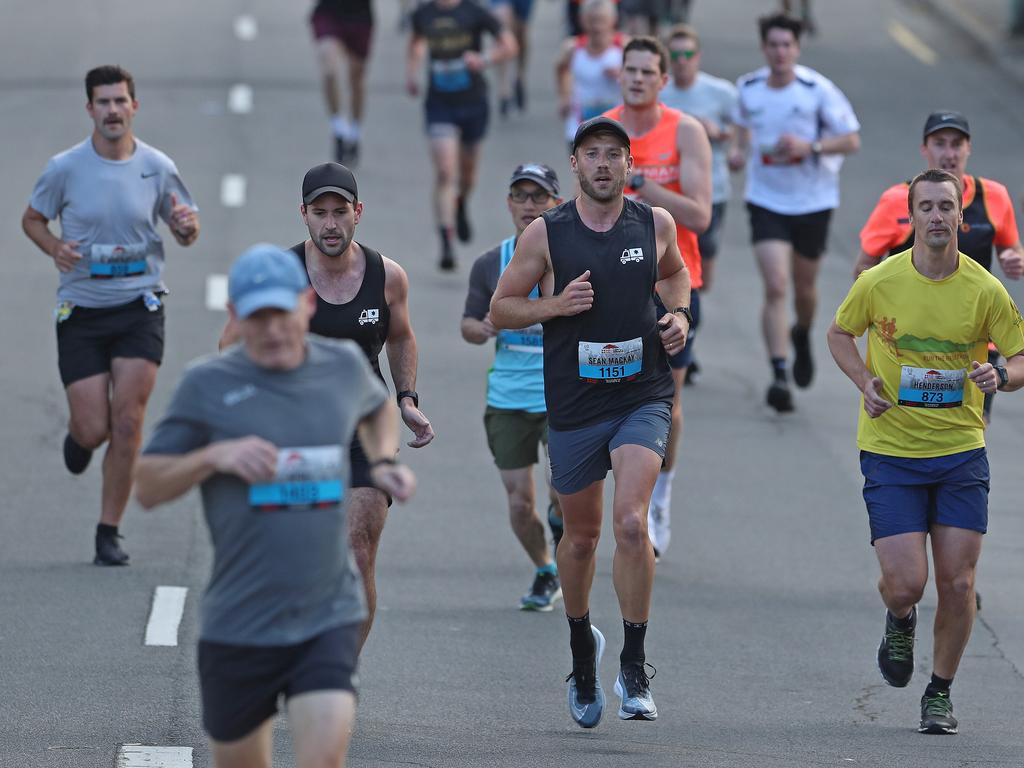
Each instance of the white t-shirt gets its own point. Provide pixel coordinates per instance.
(593, 91)
(811, 108)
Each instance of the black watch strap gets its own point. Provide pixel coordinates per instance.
(685, 312)
(410, 394)
(1004, 377)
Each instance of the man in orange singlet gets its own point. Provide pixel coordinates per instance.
(672, 170)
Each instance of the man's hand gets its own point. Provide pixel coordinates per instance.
(487, 327)
(673, 329)
(711, 128)
(577, 297)
(65, 255)
(793, 147)
(183, 219)
(251, 458)
(1012, 263)
(984, 377)
(737, 160)
(418, 423)
(474, 61)
(396, 480)
(874, 403)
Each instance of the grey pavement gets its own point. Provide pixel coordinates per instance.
(765, 616)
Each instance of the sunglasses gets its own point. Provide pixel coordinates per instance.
(540, 196)
(682, 54)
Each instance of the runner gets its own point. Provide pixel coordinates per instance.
(649, 17)
(573, 25)
(363, 296)
(921, 432)
(283, 612)
(588, 67)
(800, 126)
(343, 30)
(108, 192)
(597, 259)
(989, 221)
(514, 16)
(671, 154)
(516, 415)
(456, 105)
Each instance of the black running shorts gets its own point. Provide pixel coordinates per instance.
(806, 232)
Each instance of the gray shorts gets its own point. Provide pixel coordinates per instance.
(582, 456)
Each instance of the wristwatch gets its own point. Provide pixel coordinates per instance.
(816, 148)
(1004, 377)
(685, 312)
(414, 396)
(637, 181)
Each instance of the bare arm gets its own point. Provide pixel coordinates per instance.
(843, 347)
(864, 261)
(415, 54)
(673, 283)
(64, 254)
(692, 207)
(563, 77)
(477, 331)
(1012, 261)
(378, 433)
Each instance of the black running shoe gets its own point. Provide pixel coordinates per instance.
(76, 458)
(692, 374)
(520, 91)
(779, 397)
(340, 150)
(896, 652)
(543, 594)
(447, 262)
(937, 714)
(108, 550)
(803, 365)
(462, 229)
(556, 526)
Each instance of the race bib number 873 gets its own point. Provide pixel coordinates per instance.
(931, 387)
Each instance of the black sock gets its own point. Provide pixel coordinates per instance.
(938, 685)
(102, 529)
(581, 638)
(800, 334)
(904, 624)
(779, 368)
(633, 643)
(446, 237)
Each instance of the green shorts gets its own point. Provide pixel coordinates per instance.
(513, 436)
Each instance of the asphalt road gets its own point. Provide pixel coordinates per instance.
(765, 617)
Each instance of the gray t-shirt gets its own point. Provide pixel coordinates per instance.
(483, 280)
(714, 99)
(111, 208)
(282, 568)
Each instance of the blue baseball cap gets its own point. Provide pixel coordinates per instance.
(265, 276)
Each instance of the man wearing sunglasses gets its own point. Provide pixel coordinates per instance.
(516, 415)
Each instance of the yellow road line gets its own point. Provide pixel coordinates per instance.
(912, 44)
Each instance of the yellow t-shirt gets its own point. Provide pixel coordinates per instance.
(922, 337)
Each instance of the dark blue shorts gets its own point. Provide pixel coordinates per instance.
(683, 358)
(522, 8)
(707, 241)
(467, 122)
(908, 495)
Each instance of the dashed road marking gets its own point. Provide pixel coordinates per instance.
(165, 616)
(240, 99)
(232, 190)
(246, 27)
(912, 44)
(217, 292)
(139, 756)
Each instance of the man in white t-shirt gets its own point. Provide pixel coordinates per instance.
(796, 126)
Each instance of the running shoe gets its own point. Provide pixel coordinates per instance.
(779, 397)
(586, 697)
(659, 527)
(108, 550)
(557, 528)
(351, 154)
(544, 593)
(633, 687)
(447, 262)
(937, 714)
(462, 228)
(340, 150)
(896, 652)
(692, 374)
(76, 458)
(504, 107)
(803, 365)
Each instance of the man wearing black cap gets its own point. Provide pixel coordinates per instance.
(989, 221)
(363, 296)
(516, 415)
(597, 259)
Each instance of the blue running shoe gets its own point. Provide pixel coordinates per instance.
(543, 594)
(586, 697)
(634, 688)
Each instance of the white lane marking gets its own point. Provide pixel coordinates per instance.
(240, 99)
(217, 292)
(232, 190)
(246, 27)
(138, 756)
(165, 616)
(912, 44)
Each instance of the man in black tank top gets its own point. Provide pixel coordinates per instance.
(362, 296)
(597, 259)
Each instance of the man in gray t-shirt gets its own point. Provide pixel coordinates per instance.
(264, 430)
(108, 192)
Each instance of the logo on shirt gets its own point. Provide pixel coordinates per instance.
(632, 254)
(369, 317)
(150, 175)
(236, 396)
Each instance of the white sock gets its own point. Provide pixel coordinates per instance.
(354, 132)
(662, 495)
(339, 125)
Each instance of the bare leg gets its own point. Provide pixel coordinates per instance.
(445, 153)
(805, 289)
(132, 382)
(955, 552)
(89, 410)
(251, 751)
(526, 525)
(635, 469)
(322, 723)
(469, 157)
(357, 83)
(773, 259)
(581, 513)
(329, 54)
(367, 512)
(904, 563)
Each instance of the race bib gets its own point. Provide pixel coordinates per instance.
(450, 75)
(529, 340)
(770, 155)
(611, 362)
(106, 261)
(931, 388)
(306, 478)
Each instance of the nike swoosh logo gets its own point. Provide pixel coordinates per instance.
(150, 175)
(579, 711)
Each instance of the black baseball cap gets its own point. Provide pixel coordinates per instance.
(329, 177)
(938, 120)
(538, 173)
(599, 125)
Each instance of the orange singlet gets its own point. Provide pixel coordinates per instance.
(656, 157)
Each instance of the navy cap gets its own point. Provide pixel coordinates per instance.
(329, 177)
(538, 173)
(599, 124)
(265, 276)
(938, 120)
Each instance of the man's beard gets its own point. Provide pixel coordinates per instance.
(602, 197)
(335, 251)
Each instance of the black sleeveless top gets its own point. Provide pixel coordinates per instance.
(977, 233)
(365, 319)
(609, 360)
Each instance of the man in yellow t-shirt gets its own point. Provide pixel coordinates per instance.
(929, 313)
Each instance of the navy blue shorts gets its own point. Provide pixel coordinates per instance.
(683, 358)
(909, 495)
(521, 8)
(467, 122)
(707, 241)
